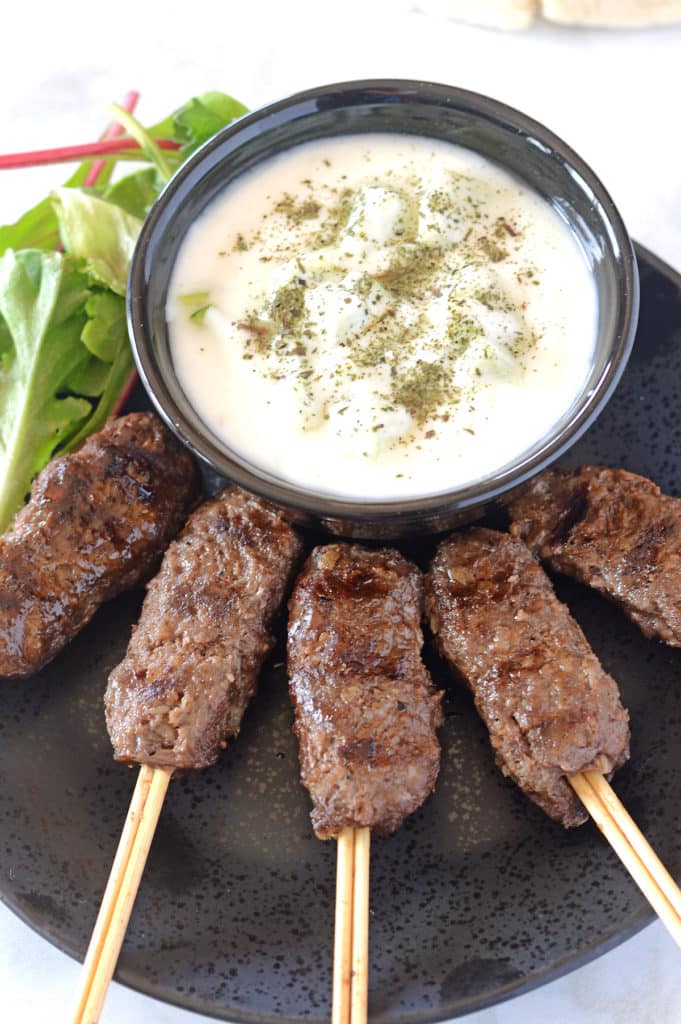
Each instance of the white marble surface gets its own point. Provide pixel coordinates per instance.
(613, 96)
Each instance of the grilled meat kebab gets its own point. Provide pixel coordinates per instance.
(550, 708)
(614, 531)
(204, 631)
(96, 524)
(365, 707)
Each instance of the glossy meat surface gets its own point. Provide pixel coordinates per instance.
(205, 629)
(365, 707)
(96, 524)
(549, 707)
(614, 531)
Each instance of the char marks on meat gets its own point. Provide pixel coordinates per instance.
(549, 707)
(365, 707)
(97, 523)
(205, 629)
(614, 531)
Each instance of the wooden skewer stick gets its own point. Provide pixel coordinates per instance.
(360, 928)
(631, 847)
(342, 956)
(121, 890)
(351, 940)
(636, 838)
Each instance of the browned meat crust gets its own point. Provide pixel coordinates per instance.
(193, 660)
(549, 707)
(97, 523)
(615, 532)
(365, 708)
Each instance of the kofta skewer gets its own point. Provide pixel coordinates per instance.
(96, 524)
(553, 714)
(366, 713)
(189, 672)
(613, 531)
(550, 708)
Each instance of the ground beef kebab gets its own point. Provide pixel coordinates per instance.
(614, 531)
(193, 660)
(96, 524)
(550, 708)
(366, 710)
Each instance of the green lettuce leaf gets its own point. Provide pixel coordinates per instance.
(89, 378)
(64, 358)
(148, 147)
(119, 371)
(192, 125)
(42, 313)
(38, 228)
(106, 327)
(135, 193)
(101, 234)
(202, 117)
(198, 120)
(64, 350)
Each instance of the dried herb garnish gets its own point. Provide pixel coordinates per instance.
(423, 389)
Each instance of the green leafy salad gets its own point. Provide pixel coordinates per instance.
(64, 350)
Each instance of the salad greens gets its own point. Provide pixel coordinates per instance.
(64, 351)
(99, 233)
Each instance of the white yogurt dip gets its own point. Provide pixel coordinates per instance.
(380, 316)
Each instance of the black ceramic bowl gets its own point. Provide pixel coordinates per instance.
(505, 136)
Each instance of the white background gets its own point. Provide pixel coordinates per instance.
(614, 96)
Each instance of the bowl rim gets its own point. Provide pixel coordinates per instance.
(456, 500)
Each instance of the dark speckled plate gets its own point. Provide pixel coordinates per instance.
(478, 897)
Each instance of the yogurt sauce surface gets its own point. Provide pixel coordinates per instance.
(380, 316)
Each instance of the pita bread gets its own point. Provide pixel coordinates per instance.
(621, 13)
(512, 14)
